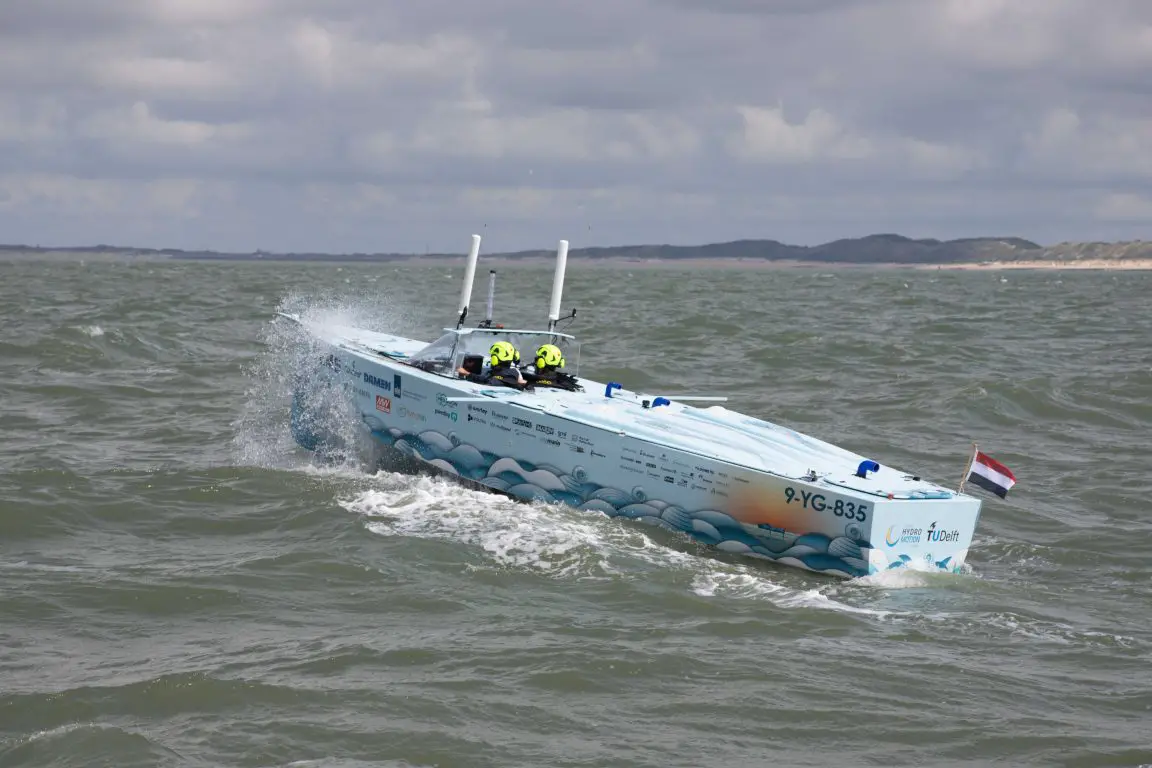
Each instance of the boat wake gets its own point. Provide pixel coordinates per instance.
(562, 543)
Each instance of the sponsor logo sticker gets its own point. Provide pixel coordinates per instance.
(378, 383)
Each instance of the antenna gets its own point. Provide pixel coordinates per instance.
(491, 299)
(469, 276)
(558, 284)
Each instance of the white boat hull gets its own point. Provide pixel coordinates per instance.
(740, 484)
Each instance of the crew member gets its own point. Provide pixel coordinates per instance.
(504, 369)
(549, 361)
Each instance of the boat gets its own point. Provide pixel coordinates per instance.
(682, 462)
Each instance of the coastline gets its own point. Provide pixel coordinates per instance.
(990, 266)
(609, 262)
(877, 251)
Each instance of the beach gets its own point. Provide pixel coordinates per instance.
(1110, 264)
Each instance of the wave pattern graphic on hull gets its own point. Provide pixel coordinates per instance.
(545, 483)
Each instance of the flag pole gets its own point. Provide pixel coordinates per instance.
(964, 477)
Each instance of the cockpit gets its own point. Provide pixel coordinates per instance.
(467, 349)
(462, 352)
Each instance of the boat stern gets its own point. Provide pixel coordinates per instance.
(929, 534)
(914, 523)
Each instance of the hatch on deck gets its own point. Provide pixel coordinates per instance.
(889, 484)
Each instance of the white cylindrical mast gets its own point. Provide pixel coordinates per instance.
(469, 276)
(491, 294)
(558, 284)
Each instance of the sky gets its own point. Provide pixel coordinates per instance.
(408, 125)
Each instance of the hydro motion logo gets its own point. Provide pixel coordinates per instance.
(903, 535)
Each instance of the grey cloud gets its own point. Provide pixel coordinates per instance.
(765, 7)
(64, 20)
(381, 125)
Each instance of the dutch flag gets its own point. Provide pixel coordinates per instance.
(991, 475)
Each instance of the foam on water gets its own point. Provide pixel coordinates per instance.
(559, 542)
(914, 575)
(816, 598)
(726, 580)
(720, 584)
(1016, 627)
(514, 534)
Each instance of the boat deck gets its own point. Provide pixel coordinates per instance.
(713, 432)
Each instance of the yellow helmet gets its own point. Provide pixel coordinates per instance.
(503, 352)
(549, 356)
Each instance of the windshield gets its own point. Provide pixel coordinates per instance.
(469, 347)
(437, 355)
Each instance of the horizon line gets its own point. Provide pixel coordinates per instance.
(1007, 239)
